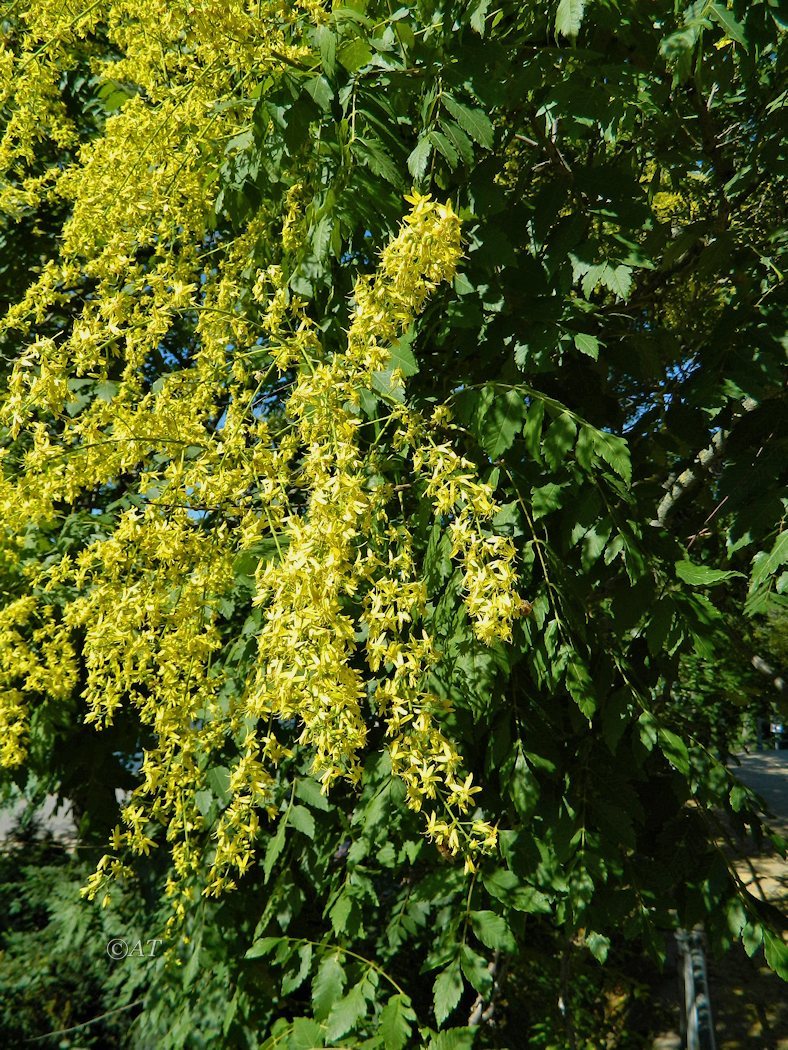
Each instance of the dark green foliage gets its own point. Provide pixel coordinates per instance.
(54, 970)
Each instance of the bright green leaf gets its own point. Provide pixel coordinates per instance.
(569, 17)
(733, 30)
(675, 750)
(302, 820)
(346, 1013)
(327, 985)
(447, 991)
(472, 120)
(588, 345)
(419, 158)
(355, 55)
(396, 1019)
(702, 575)
(492, 930)
(776, 952)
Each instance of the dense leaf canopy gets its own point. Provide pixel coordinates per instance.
(394, 440)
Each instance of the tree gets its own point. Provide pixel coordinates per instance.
(396, 384)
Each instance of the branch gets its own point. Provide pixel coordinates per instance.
(778, 682)
(689, 480)
(482, 1011)
(86, 1024)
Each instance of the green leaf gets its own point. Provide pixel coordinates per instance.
(327, 986)
(501, 421)
(383, 383)
(264, 947)
(702, 575)
(547, 498)
(204, 800)
(476, 969)
(752, 937)
(113, 94)
(506, 887)
(617, 279)
(319, 89)
(675, 750)
(660, 622)
(678, 50)
(509, 520)
(733, 29)
(404, 32)
(594, 542)
(308, 790)
(302, 820)
(739, 797)
(401, 356)
(447, 991)
(472, 120)
(532, 431)
(306, 1035)
(569, 17)
(419, 158)
(765, 565)
(371, 153)
(492, 930)
(107, 390)
(327, 43)
(776, 952)
(523, 786)
(588, 345)
(598, 945)
(479, 14)
(648, 730)
(395, 1023)
(559, 439)
(355, 55)
(454, 1039)
(444, 147)
(218, 780)
(459, 140)
(437, 566)
(580, 686)
(340, 913)
(614, 451)
(346, 1013)
(291, 981)
(274, 849)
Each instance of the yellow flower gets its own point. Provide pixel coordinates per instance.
(340, 605)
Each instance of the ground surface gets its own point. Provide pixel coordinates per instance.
(767, 773)
(749, 1002)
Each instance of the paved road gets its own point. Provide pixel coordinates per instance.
(767, 773)
(766, 874)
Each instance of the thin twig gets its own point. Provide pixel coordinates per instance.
(86, 1024)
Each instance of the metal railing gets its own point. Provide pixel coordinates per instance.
(697, 1024)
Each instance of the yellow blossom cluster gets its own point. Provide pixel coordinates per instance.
(175, 332)
(36, 659)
